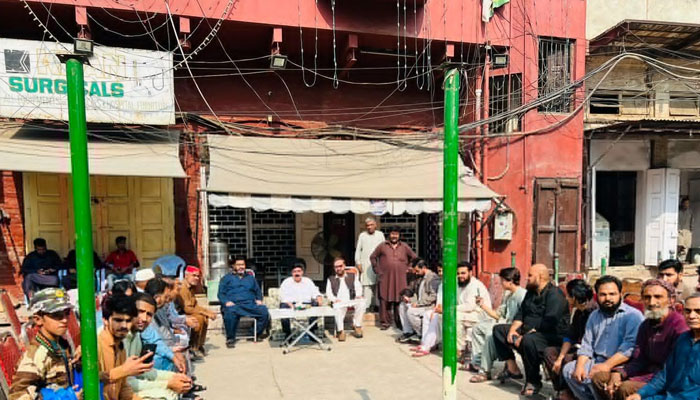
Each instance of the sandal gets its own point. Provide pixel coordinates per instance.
(505, 375)
(469, 367)
(480, 377)
(530, 390)
(415, 348)
(420, 353)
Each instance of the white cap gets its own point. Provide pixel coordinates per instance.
(143, 275)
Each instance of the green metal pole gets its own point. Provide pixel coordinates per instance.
(83, 226)
(450, 224)
(512, 259)
(603, 266)
(556, 268)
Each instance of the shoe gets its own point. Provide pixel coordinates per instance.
(231, 344)
(358, 332)
(341, 336)
(404, 338)
(263, 336)
(202, 351)
(384, 327)
(195, 356)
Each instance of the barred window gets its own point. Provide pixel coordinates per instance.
(505, 94)
(554, 65)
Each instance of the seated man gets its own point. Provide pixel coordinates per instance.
(187, 302)
(240, 296)
(298, 290)
(153, 384)
(43, 364)
(40, 268)
(169, 355)
(341, 288)
(609, 339)
(655, 340)
(70, 280)
(115, 367)
(671, 271)
(579, 294)
(680, 377)
(432, 322)
(418, 299)
(141, 278)
(121, 262)
(469, 313)
(483, 347)
(542, 320)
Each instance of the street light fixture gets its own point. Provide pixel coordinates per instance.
(83, 46)
(278, 61)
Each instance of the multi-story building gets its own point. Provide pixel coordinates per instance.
(641, 150)
(259, 91)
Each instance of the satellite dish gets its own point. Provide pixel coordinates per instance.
(323, 246)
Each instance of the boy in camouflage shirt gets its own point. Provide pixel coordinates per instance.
(47, 362)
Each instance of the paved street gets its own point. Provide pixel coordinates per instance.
(373, 368)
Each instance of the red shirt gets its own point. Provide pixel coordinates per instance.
(122, 263)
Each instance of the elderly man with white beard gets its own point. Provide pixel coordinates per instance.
(655, 340)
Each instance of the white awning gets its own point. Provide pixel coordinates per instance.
(362, 176)
(130, 154)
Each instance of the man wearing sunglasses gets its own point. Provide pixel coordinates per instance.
(47, 362)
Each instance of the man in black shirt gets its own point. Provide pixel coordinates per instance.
(40, 268)
(542, 321)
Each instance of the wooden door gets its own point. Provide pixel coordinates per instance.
(556, 223)
(154, 218)
(116, 214)
(46, 207)
(662, 187)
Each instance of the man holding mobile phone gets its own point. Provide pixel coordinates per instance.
(156, 384)
(40, 268)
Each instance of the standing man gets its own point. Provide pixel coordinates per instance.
(542, 321)
(391, 261)
(121, 262)
(188, 304)
(680, 377)
(685, 229)
(655, 340)
(609, 339)
(671, 271)
(342, 288)
(40, 268)
(240, 296)
(366, 243)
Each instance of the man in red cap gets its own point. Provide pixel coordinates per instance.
(188, 303)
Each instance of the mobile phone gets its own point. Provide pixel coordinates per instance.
(514, 338)
(148, 348)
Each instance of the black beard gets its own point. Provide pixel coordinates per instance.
(609, 310)
(463, 284)
(532, 286)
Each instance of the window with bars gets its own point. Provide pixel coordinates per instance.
(505, 94)
(554, 66)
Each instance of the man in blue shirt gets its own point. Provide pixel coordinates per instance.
(680, 378)
(609, 339)
(240, 296)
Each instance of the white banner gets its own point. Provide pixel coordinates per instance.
(121, 85)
